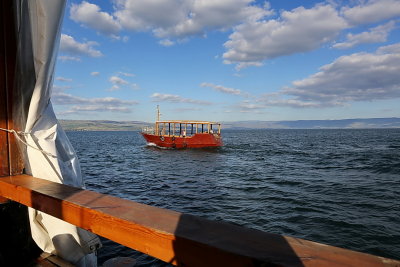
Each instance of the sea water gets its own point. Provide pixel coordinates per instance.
(338, 187)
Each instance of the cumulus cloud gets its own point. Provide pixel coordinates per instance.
(68, 58)
(222, 89)
(356, 77)
(69, 45)
(157, 97)
(63, 79)
(126, 74)
(247, 106)
(182, 110)
(59, 88)
(299, 30)
(375, 35)
(372, 11)
(81, 104)
(283, 100)
(95, 73)
(135, 86)
(97, 108)
(166, 42)
(168, 18)
(90, 16)
(117, 82)
(394, 48)
(113, 88)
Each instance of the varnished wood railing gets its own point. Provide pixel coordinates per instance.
(172, 236)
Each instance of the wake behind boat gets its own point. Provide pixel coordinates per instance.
(183, 133)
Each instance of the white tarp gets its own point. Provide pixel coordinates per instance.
(39, 22)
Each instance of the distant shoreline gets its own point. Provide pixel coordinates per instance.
(371, 123)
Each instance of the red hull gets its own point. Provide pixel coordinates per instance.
(195, 141)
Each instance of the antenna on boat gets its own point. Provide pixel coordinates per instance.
(158, 113)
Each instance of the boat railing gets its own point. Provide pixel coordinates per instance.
(174, 237)
(148, 130)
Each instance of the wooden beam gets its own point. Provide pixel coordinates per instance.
(4, 160)
(11, 162)
(175, 237)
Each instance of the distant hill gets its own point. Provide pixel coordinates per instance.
(104, 125)
(317, 124)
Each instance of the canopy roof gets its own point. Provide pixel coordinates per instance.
(188, 122)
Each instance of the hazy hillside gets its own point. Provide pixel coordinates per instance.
(101, 125)
(87, 125)
(317, 124)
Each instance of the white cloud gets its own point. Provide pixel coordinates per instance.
(166, 42)
(183, 110)
(95, 73)
(68, 99)
(68, 58)
(69, 45)
(372, 11)
(97, 108)
(58, 88)
(389, 49)
(280, 99)
(90, 15)
(201, 15)
(243, 65)
(168, 18)
(157, 97)
(135, 86)
(299, 30)
(126, 74)
(113, 88)
(117, 80)
(375, 35)
(357, 77)
(247, 106)
(125, 39)
(62, 79)
(80, 104)
(222, 89)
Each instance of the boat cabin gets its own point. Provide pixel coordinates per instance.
(186, 128)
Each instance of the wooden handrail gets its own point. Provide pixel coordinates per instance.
(175, 237)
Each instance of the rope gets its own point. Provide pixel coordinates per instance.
(17, 135)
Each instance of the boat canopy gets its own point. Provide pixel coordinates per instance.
(186, 127)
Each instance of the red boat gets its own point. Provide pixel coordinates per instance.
(183, 134)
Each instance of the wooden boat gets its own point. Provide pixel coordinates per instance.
(183, 134)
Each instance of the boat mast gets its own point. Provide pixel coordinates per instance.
(158, 119)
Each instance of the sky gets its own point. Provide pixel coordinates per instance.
(228, 60)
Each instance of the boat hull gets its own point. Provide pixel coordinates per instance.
(195, 141)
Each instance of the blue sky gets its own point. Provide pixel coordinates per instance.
(228, 60)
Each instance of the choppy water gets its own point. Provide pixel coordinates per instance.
(339, 187)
